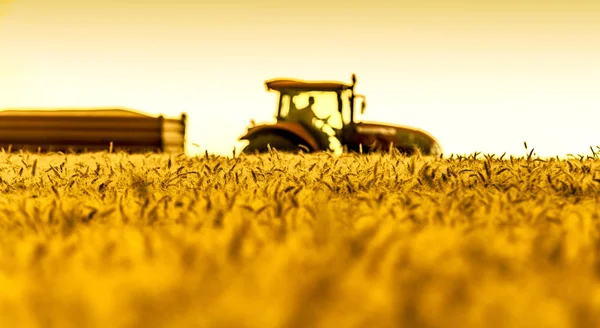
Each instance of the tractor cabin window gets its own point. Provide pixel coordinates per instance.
(326, 105)
(346, 110)
(285, 105)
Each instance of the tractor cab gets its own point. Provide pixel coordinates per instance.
(322, 108)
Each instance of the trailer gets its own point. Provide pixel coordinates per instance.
(89, 130)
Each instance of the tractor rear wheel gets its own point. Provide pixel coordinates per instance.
(259, 144)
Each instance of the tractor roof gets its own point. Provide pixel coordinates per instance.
(293, 84)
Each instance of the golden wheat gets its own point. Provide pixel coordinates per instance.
(279, 240)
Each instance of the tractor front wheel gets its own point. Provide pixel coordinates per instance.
(258, 144)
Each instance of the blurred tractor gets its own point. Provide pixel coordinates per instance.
(321, 116)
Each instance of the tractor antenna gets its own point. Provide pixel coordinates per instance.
(353, 78)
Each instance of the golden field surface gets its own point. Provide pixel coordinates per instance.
(292, 240)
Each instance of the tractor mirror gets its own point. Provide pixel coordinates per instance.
(363, 106)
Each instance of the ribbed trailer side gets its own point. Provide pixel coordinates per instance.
(174, 134)
(80, 131)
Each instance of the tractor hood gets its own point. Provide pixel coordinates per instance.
(406, 137)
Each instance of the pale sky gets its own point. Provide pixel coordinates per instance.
(477, 77)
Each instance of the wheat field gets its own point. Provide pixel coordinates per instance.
(298, 240)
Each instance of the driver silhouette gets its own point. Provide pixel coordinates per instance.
(304, 115)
